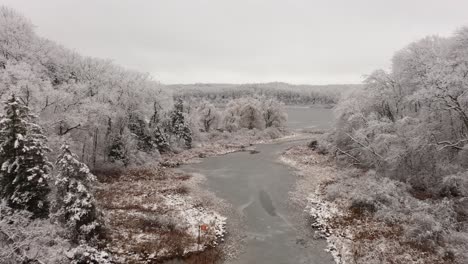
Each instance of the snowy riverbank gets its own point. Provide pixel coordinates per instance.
(314, 172)
(158, 213)
(370, 219)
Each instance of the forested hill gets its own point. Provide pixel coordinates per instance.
(89, 102)
(284, 92)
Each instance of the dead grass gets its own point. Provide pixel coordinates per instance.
(138, 229)
(108, 173)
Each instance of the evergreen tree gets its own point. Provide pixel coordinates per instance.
(139, 128)
(116, 151)
(24, 167)
(159, 139)
(76, 204)
(158, 134)
(179, 126)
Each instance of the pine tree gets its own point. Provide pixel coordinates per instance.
(179, 126)
(158, 134)
(76, 204)
(24, 167)
(116, 151)
(139, 128)
(159, 139)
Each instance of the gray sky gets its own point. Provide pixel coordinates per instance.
(238, 41)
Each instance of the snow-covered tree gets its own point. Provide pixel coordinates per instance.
(208, 115)
(287, 93)
(179, 126)
(273, 113)
(24, 167)
(76, 205)
(158, 127)
(412, 121)
(160, 139)
(16, 35)
(251, 114)
(139, 128)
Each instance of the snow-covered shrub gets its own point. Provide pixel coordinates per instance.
(23, 240)
(363, 193)
(458, 247)
(424, 231)
(272, 133)
(84, 254)
(455, 185)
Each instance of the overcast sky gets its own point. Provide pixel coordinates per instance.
(239, 41)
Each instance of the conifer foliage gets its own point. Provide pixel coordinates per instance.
(160, 140)
(24, 166)
(179, 125)
(76, 204)
(158, 128)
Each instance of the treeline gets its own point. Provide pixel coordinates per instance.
(410, 125)
(243, 113)
(286, 93)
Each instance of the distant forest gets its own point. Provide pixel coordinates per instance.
(286, 93)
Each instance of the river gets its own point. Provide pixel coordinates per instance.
(258, 186)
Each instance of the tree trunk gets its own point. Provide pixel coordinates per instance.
(95, 147)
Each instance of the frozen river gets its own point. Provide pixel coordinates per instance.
(258, 187)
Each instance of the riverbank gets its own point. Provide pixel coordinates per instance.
(224, 144)
(366, 218)
(156, 213)
(314, 171)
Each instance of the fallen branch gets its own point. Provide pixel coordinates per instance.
(448, 144)
(364, 146)
(349, 155)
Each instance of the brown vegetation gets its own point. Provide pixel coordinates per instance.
(139, 225)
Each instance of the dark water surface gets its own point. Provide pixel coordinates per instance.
(258, 187)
